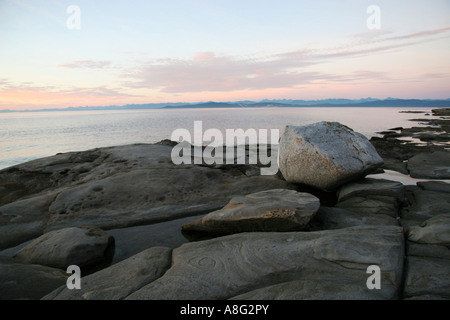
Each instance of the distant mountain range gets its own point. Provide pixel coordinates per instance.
(280, 103)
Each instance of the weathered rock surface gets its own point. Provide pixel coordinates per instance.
(119, 280)
(28, 281)
(427, 276)
(434, 186)
(372, 187)
(427, 225)
(434, 165)
(424, 205)
(385, 205)
(325, 155)
(328, 218)
(115, 187)
(372, 196)
(87, 247)
(229, 266)
(435, 230)
(316, 289)
(272, 210)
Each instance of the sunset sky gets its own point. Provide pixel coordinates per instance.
(119, 52)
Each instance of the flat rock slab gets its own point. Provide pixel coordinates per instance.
(229, 266)
(435, 230)
(424, 205)
(119, 280)
(434, 165)
(438, 186)
(271, 210)
(370, 187)
(376, 204)
(427, 276)
(115, 187)
(87, 247)
(328, 218)
(325, 155)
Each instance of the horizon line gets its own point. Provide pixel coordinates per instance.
(162, 105)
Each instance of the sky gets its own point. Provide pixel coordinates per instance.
(58, 54)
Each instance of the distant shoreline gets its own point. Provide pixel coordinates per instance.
(327, 103)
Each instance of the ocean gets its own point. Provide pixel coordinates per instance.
(25, 136)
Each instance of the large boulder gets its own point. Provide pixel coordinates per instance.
(271, 210)
(229, 266)
(325, 155)
(89, 248)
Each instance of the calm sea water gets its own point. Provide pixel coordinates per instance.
(27, 136)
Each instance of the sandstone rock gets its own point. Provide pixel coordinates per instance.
(372, 196)
(317, 289)
(28, 281)
(23, 220)
(424, 205)
(434, 186)
(87, 247)
(119, 280)
(427, 250)
(427, 277)
(434, 165)
(376, 204)
(371, 187)
(271, 210)
(325, 155)
(117, 187)
(435, 230)
(337, 218)
(228, 266)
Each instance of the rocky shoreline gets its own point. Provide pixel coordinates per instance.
(141, 227)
